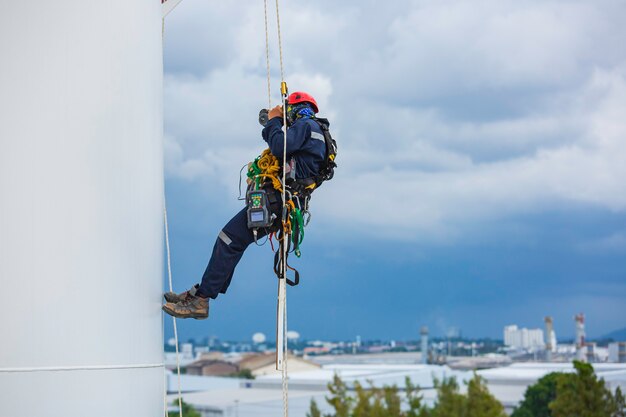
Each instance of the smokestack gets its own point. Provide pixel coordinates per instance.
(549, 336)
(580, 336)
(424, 338)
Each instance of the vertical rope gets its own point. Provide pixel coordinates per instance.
(267, 58)
(285, 374)
(285, 237)
(280, 43)
(169, 274)
(283, 268)
(283, 246)
(164, 374)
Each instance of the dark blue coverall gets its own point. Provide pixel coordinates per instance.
(305, 143)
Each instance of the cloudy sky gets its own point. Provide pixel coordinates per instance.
(482, 158)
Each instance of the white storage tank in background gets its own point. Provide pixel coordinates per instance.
(81, 186)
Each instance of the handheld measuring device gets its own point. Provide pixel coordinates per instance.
(259, 215)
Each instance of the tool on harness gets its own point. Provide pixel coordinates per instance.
(259, 215)
(263, 187)
(278, 261)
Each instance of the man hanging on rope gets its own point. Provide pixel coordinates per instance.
(311, 151)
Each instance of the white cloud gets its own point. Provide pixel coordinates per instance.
(588, 171)
(448, 114)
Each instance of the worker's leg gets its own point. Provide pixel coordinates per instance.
(230, 245)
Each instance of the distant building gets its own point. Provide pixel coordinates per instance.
(523, 338)
(211, 367)
(265, 364)
(262, 397)
(590, 352)
(617, 352)
(316, 350)
(186, 351)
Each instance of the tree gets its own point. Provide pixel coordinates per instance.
(480, 402)
(392, 401)
(414, 400)
(538, 397)
(450, 403)
(388, 402)
(363, 406)
(314, 410)
(188, 411)
(339, 399)
(583, 395)
(620, 403)
(242, 373)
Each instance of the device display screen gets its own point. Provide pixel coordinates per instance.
(256, 216)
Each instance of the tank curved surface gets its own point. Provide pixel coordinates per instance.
(81, 189)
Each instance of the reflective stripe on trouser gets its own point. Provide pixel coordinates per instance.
(229, 246)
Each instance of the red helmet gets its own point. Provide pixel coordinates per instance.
(302, 97)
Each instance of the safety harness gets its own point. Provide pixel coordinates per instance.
(306, 186)
(264, 174)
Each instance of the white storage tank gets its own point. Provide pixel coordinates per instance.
(81, 188)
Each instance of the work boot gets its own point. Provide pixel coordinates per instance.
(172, 297)
(192, 306)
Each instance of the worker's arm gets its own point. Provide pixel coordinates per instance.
(274, 136)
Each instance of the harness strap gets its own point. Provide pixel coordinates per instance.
(278, 260)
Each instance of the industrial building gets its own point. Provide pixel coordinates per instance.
(617, 352)
(262, 397)
(523, 338)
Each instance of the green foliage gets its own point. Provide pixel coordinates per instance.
(339, 399)
(583, 395)
(480, 402)
(389, 402)
(363, 406)
(619, 403)
(242, 373)
(370, 401)
(579, 394)
(450, 403)
(414, 400)
(538, 397)
(188, 411)
(314, 410)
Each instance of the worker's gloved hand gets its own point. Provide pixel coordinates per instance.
(276, 112)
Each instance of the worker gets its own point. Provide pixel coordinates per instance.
(306, 145)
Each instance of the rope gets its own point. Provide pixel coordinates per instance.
(265, 167)
(278, 185)
(284, 374)
(280, 43)
(80, 368)
(267, 58)
(283, 87)
(169, 274)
